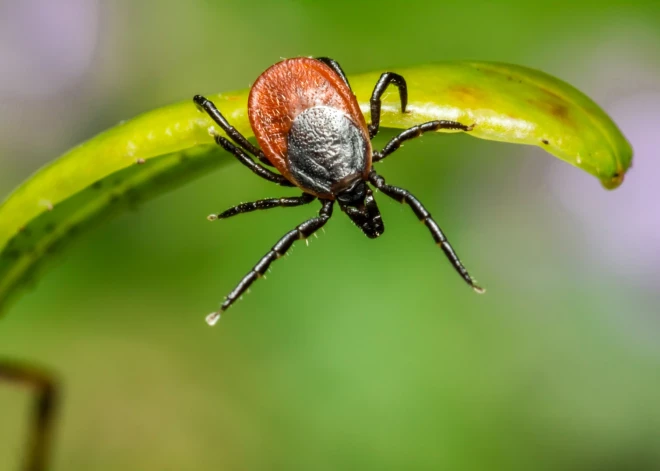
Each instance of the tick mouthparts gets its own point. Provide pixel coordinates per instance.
(213, 318)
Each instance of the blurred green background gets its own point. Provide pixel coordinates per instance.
(354, 353)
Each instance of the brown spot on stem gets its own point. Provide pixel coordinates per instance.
(552, 94)
(467, 94)
(555, 108)
(614, 181)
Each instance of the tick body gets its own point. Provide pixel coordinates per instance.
(310, 128)
(309, 125)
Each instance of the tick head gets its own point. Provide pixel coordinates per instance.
(358, 202)
(351, 192)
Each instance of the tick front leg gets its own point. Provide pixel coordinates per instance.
(208, 106)
(416, 131)
(404, 196)
(334, 65)
(251, 164)
(43, 415)
(385, 80)
(303, 231)
(264, 204)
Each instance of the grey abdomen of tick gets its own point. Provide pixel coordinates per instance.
(324, 149)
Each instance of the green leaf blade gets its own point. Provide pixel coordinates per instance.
(514, 104)
(165, 148)
(27, 254)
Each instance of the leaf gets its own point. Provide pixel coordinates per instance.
(162, 149)
(25, 255)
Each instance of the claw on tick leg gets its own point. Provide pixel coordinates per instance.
(213, 318)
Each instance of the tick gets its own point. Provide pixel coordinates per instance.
(309, 127)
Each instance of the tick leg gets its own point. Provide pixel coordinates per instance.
(208, 106)
(417, 131)
(404, 196)
(264, 204)
(334, 65)
(43, 412)
(303, 231)
(251, 164)
(385, 80)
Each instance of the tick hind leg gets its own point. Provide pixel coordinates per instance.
(404, 196)
(385, 80)
(416, 131)
(208, 106)
(264, 204)
(43, 414)
(303, 231)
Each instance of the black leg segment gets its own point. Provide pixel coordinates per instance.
(334, 65)
(417, 131)
(45, 404)
(303, 231)
(208, 106)
(251, 164)
(404, 196)
(385, 80)
(264, 204)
